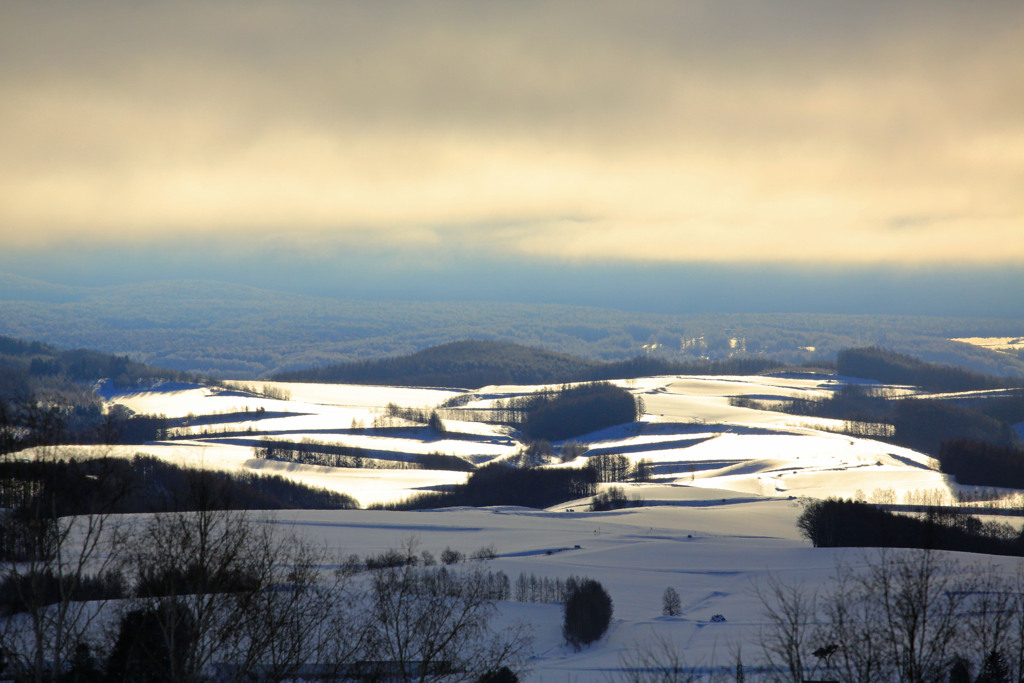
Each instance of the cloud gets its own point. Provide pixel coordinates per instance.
(649, 131)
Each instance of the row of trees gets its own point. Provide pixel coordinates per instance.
(976, 463)
(64, 486)
(311, 452)
(615, 467)
(499, 484)
(921, 424)
(544, 589)
(835, 523)
(613, 498)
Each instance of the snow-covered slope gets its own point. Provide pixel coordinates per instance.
(720, 517)
(690, 432)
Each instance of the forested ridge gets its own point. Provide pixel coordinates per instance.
(476, 363)
(23, 362)
(890, 367)
(48, 396)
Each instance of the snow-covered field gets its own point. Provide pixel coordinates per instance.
(719, 517)
(994, 343)
(690, 432)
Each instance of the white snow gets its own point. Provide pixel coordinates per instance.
(720, 515)
(690, 432)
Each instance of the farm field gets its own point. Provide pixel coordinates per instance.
(689, 431)
(719, 517)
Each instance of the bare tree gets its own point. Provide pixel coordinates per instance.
(228, 592)
(433, 624)
(59, 560)
(786, 636)
(989, 612)
(908, 616)
(850, 643)
(671, 605)
(921, 599)
(656, 660)
(660, 660)
(1016, 587)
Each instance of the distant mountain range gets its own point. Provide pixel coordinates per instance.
(240, 332)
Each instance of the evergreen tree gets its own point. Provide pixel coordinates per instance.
(994, 669)
(960, 671)
(588, 612)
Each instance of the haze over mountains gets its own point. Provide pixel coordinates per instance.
(238, 331)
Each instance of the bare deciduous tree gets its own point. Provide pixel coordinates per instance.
(849, 640)
(671, 604)
(921, 597)
(433, 624)
(787, 634)
(909, 616)
(230, 592)
(656, 660)
(59, 562)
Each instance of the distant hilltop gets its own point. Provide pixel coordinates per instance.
(478, 363)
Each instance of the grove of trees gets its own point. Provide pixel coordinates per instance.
(500, 484)
(833, 523)
(570, 411)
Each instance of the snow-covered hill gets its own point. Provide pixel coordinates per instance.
(719, 517)
(690, 432)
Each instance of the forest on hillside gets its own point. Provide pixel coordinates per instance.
(477, 363)
(890, 367)
(49, 396)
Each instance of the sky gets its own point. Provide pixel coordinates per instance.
(412, 137)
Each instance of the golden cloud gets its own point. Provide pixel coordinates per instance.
(859, 132)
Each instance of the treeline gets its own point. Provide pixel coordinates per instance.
(499, 484)
(890, 367)
(31, 359)
(976, 463)
(614, 498)
(921, 424)
(544, 589)
(73, 415)
(430, 418)
(472, 363)
(834, 523)
(615, 467)
(311, 452)
(477, 363)
(925, 425)
(236, 332)
(143, 483)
